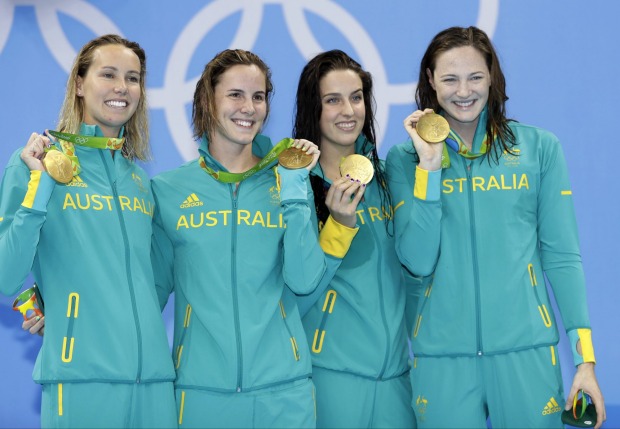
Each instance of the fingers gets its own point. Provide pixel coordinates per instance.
(342, 199)
(411, 121)
(34, 150)
(310, 148)
(34, 325)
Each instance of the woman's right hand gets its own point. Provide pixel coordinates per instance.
(342, 199)
(34, 325)
(34, 151)
(429, 153)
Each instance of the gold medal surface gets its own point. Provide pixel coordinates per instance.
(294, 158)
(433, 128)
(358, 167)
(58, 165)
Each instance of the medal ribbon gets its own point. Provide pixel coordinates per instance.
(457, 145)
(67, 142)
(226, 177)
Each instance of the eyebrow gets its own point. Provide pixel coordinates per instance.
(116, 69)
(339, 94)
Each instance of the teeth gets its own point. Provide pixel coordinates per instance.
(464, 103)
(243, 123)
(115, 103)
(345, 126)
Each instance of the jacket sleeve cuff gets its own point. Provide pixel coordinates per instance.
(335, 239)
(584, 337)
(293, 186)
(39, 191)
(427, 184)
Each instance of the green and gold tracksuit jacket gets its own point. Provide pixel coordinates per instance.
(228, 253)
(87, 244)
(356, 324)
(503, 228)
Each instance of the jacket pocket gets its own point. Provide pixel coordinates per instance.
(427, 283)
(68, 342)
(542, 308)
(319, 333)
(292, 339)
(179, 351)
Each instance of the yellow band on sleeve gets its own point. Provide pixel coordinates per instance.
(421, 183)
(583, 338)
(335, 239)
(33, 185)
(427, 184)
(587, 349)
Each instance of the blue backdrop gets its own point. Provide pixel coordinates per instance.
(561, 59)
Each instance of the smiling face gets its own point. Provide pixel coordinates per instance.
(241, 101)
(343, 110)
(111, 88)
(461, 80)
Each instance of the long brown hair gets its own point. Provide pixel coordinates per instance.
(309, 109)
(426, 97)
(72, 113)
(204, 112)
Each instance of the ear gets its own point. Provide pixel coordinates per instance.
(79, 83)
(429, 74)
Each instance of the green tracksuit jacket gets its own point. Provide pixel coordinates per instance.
(86, 244)
(357, 323)
(227, 253)
(503, 227)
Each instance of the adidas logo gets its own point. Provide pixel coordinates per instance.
(551, 407)
(77, 183)
(191, 201)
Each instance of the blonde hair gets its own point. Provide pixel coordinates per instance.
(137, 127)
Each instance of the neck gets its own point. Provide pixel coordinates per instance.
(466, 132)
(235, 158)
(330, 158)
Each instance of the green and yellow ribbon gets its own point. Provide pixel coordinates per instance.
(67, 142)
(457, 145)
(226, 177)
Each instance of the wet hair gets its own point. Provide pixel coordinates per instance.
(136, 134)
(426, 97)
(309, 109)
(204, 111)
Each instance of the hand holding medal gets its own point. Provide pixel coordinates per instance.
(301, 153)
(433, 128)
(357, 167)
(428, 131)
(39, 154)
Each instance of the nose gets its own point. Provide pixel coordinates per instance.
(463, 89)
(248, 107)
(121, 87)
(347, 108)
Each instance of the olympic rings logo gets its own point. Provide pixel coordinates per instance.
(177, 92)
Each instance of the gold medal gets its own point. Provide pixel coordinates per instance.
(433, 128)
(58, 165)
(358, 167)
(294, 158)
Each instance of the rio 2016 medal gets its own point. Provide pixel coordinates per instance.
(433, 128)
(358, 167)
(294, 158)
(58, 165)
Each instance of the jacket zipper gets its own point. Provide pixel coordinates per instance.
(470, 197)
(381, 298)
(233, 267)
(128, 269)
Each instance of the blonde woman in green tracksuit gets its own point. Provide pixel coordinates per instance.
(232, 231)
(485, 338)
(355, 325)
(105, 358)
